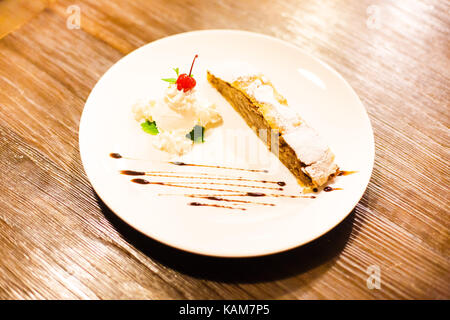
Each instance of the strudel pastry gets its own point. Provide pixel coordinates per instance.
(299, 147)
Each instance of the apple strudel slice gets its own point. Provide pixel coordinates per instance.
(298, 146)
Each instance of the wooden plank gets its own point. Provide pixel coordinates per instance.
(15, 13)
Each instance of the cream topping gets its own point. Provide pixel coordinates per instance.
(175, 115)
(180, 101)
(173, 142)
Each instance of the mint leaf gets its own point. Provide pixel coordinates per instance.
(197, 134)
(171, 80)
(176, 70)
(150, 127)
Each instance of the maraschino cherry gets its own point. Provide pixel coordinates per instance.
(186, 82)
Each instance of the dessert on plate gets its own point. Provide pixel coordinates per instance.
(298, 146)
(179, 119)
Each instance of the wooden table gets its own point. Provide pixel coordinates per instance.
(58, 240)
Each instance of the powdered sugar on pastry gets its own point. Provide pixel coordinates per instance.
(314, 158)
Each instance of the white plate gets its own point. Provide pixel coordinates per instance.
(323, 98)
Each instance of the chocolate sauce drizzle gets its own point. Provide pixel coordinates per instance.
(329, 189)
(346, 173)
(216, 198)
(179, 163)
(340, 173)
(140, 181)
(228, 195)
(176, 175)
(115, 155)
(243, 194)
(226, 184)
(178, 185)
(211, 183)
(199, 204)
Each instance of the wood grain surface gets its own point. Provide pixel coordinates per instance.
(59, 241)
(14, 13)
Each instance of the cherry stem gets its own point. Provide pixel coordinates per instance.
(196, 56)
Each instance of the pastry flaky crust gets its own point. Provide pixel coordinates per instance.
(297, 145)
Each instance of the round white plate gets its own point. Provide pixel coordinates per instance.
(321, 96)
